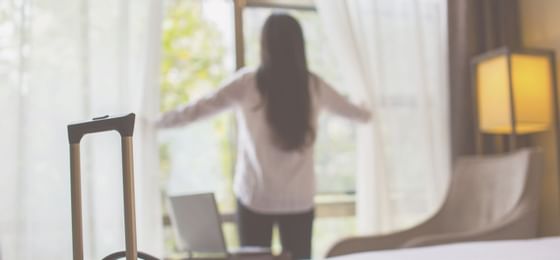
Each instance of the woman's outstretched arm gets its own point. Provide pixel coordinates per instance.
(225, 97)
(340, 105)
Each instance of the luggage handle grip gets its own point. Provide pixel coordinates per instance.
(124, 124)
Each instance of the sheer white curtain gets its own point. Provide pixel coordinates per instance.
(62, 61)
(394, 53)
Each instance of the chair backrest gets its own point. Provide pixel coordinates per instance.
(484, 189)
(196, 223)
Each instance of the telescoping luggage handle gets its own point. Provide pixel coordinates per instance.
(125, 126)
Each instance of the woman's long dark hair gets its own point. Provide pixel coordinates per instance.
(282, 80)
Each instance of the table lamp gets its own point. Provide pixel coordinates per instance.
(515, 92)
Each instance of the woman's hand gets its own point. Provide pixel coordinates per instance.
(366, 108)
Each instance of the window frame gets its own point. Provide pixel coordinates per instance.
(340, 204)
(336, 204)
(240, 5)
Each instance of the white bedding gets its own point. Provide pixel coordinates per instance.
(533, 249)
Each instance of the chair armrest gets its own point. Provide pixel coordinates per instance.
(520, 224)
(380, 242)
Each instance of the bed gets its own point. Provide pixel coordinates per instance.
(531, 249)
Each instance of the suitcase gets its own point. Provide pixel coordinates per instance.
(125, 126)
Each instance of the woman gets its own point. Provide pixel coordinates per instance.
(276, 107)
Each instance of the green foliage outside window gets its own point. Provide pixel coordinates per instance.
(192, 62)
(193, 54)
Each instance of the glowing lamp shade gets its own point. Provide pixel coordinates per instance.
(514, 91)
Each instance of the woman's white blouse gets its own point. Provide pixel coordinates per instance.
(267, 178)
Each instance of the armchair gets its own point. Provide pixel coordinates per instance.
(489, 198)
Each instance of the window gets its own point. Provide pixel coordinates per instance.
(198, 52)
(197, 55)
